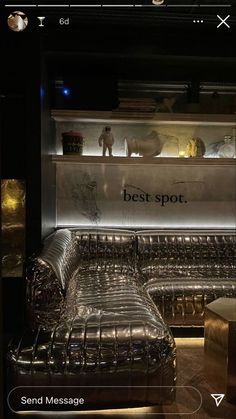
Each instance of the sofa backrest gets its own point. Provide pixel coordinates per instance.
(61, 254)
(107, 244)
(64, 249)
(186, 248)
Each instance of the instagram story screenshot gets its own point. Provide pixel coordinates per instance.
(118, 209)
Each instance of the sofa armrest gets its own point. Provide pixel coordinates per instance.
(44, 294)
(48, 276)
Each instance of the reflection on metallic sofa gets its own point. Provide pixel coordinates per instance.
(93, 324)
(183, 272)
(95, 299)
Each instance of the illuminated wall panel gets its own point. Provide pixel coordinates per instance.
(13, 227)
(126, 195)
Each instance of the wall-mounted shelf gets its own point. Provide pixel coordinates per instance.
(172, 132)
(73, 159)
(143, 117)
(90, 188)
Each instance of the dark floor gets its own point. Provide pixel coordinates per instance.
(196, 392)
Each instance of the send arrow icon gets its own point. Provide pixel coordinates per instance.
(218, 398)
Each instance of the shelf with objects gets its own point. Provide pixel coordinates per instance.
(126, 135)
(95, 189)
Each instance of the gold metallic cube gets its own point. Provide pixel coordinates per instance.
(220, 346)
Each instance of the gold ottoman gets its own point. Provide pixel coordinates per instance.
(220, 346)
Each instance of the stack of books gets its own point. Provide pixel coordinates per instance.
(136, 105)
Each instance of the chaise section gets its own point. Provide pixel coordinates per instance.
(106, 332)
(100, 349)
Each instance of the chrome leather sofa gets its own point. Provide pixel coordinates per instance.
(99, 302)
(93, 324)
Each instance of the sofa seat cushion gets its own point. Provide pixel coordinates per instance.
(110, 289)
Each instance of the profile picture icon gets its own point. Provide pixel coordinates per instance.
(17, 21)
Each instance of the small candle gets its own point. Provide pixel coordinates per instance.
(182, 154)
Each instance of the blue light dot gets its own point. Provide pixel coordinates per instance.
(42, 92)
(66, 91)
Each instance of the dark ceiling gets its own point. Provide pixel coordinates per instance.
(150, 42)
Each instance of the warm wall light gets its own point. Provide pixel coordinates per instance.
(12, 194)
(12, 226)
(10, 203)
(182, 154)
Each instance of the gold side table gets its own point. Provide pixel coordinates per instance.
(220, 346)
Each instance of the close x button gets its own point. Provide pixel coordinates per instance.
(223, 21)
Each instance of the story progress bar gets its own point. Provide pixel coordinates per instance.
(121, 5)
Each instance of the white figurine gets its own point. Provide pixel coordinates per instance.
(227, 149)
(106, 140)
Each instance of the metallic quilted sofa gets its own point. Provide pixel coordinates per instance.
(93, 324)
(183, 272)
(100, 302)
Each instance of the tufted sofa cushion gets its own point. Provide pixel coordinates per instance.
(184, 272)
